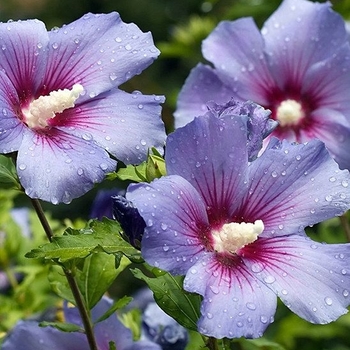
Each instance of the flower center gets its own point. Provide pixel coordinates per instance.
(44, 108)
(289, 112)
(234, 236)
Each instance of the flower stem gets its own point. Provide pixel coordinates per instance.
(345, 224)
(41, 215)
(84, 313)
(212, 344)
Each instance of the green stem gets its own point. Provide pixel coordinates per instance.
(212, 344)
(84, 313)
(11, 277)
(346, 226)
(41, 215)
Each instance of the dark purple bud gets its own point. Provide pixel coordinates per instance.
(130, 220)
(102, 205)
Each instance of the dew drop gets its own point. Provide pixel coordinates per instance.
(345, 183)
(80, 171)
(215, 289)
(269, 279)
(274, 174)
(22, 166)
(127, 47)
(103, 166)
(345, 293)
(250, 306)
(328, 301)
(164, 226)
(165, 248)
(263, 319)
(113, 76)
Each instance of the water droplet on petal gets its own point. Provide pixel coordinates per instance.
(328, 301)
(22, 166)
(251, 306)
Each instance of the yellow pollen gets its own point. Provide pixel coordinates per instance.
(44, 108)
(289, 112)
(234, 236)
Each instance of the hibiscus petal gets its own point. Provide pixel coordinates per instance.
(211, 159)
(240, 64)
(126, 125)
(328, 81)
(23, 54)
(27, 335)
(290, 51)
(175, 220)
(57, 167)
(201, 86)
(11, 127)
(311, 278)
(235, 303)
(99, 52)
(293, 186)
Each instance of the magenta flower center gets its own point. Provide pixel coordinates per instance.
(289, 112)
(44, 108)
(235, 235)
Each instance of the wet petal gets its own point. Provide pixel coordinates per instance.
(206, 154)
(99, 52)
(293, 186)
(201, 86)
(241, 63)
(126, 125)
(311, 278)
(23, 54)
(12, 128)
(298, 35)
(175, 217)
(27, 335)
(235, 302)
(57, 167)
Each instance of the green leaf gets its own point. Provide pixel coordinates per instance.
(120, 303)
(99, 236)
(8, 174)
(98, 274)
(259, 344)
(130, 173)
(62, 326)
(172, 298)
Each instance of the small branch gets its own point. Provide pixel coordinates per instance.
(82, 309)
(212, 344)
(41, 215)
(84, 314)
(346, 226)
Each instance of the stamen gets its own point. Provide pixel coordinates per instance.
(234, 236)
(44, 108)
(289, 112)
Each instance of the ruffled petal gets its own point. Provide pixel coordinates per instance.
(126, 125)
(11, 128)
(298, 35)
(211, 153)
(57, 167)
(23, 54)
(201, 86)
(293, 186)
(237, 51)
(328, 82)
(27, 335)
(176, 220)
(235, 303)
(99, 52)
(334, 134)
(311, 278)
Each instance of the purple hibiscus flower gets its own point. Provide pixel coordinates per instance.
(235, 228)
(60, 108)
(28, 335)
(297, 66)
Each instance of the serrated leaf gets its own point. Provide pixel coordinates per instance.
(98, 274)
(132, 173)
(100, 236)
(62, 326)
(120, 303)
(8, 174)
(172, 298)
